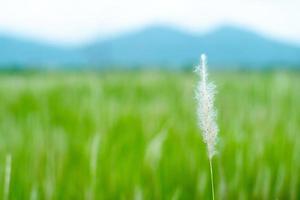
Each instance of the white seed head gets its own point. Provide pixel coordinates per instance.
(203, 58)
(205, 110)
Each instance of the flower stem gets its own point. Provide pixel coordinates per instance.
(212, 179)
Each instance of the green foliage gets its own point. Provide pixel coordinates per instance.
(149, 144)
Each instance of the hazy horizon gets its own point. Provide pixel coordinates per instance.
(75, 22)
(100, 37)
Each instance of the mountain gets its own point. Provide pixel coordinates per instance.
(26, 52)
(155, 46)
(234, 45)
(225, 45)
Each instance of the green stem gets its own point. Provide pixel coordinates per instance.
(212, 179)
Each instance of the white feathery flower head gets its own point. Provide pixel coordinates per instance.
(206, 112)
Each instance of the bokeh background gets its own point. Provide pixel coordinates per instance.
(97, 99)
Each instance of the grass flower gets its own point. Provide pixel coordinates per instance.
(206, 113)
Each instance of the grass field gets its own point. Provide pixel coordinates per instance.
(134, 135)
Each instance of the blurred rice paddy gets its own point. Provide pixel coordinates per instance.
(134, 135)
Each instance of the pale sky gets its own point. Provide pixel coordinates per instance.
(76, 21)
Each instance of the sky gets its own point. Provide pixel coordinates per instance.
(78, 21)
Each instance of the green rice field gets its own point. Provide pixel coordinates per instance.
(134, 135)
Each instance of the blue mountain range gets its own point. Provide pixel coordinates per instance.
(155, 46)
